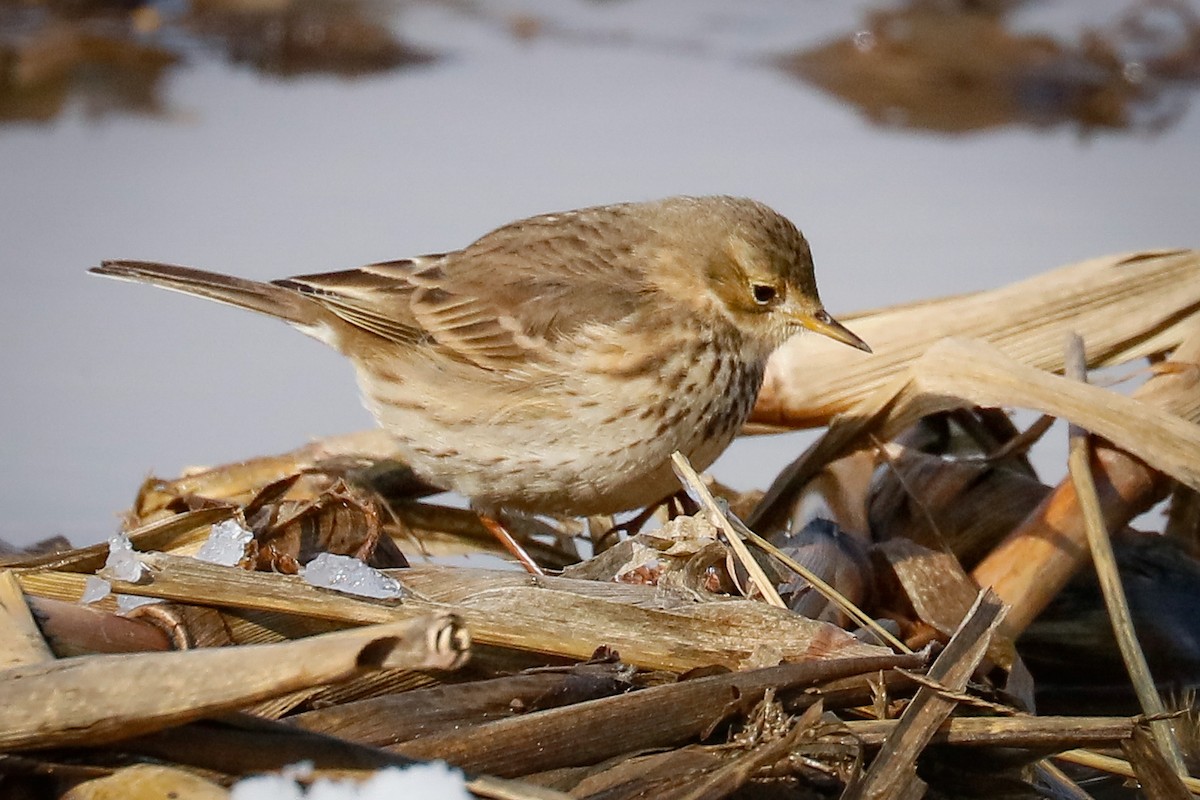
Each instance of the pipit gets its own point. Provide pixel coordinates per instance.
(554, 365)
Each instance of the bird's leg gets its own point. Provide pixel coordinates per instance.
(677, 504)
(681, 504)
(490, 520)
(629, 527)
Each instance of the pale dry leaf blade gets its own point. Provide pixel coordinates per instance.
(1124, 306)
(21, 640)
(101, 698)
(957, 373)
(530, 618)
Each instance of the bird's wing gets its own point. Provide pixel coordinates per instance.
(376, 298)
(503, 302)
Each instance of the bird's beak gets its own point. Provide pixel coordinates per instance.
(822, 323)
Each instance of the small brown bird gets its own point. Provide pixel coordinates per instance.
(555, 364)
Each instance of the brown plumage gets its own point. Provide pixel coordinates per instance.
(555, 364)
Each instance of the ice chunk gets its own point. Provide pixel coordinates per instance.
(432, 781)
(128, 602)
(267, 787)
(122, 563)
(94, 589)
(301, 770)
(226, 544)
(351, 576)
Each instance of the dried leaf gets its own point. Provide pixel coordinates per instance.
(1124, 307)
(94, 699)
(956, 373)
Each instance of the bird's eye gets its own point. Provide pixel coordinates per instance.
(763, 293)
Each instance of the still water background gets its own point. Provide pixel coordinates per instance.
(242, 139)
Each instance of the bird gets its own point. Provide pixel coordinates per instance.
(553, 365)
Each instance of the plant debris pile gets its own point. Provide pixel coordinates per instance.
(910, 609)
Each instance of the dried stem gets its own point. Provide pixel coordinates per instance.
(826, 590)
(21, 640)
(717, 516)
(1114, 766)
(1079, 464)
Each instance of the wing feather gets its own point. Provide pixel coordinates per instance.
(503, 302)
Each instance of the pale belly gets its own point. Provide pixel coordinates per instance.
(592, 452)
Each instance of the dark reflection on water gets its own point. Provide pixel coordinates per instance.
(932, 64)
(957, 67)
(112, 56)
(298, 37)
(49, 55)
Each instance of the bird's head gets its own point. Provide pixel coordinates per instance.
(757, 269)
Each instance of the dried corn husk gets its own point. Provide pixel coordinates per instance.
(1124, 307)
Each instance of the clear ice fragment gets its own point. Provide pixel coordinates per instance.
(122, 563)
(226, 544)
(430, 781)
(349, 575)
(94, 589)
(128, 602)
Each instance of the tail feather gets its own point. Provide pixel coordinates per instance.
(265, 298)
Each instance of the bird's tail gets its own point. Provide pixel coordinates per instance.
(265, 298)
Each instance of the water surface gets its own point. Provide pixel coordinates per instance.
(238, 157)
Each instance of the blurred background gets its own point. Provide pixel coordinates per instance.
(926, 148)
